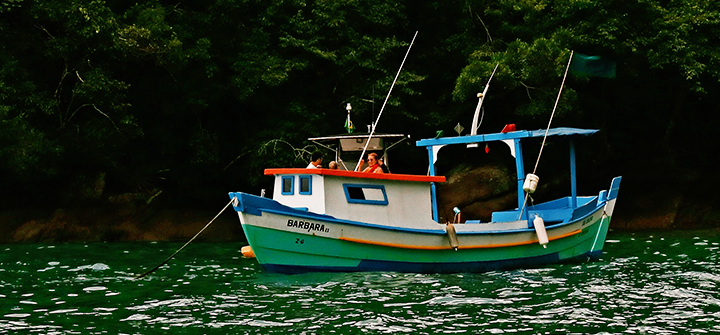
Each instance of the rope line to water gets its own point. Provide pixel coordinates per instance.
(542, 146)
(553, 111)
(186, 244)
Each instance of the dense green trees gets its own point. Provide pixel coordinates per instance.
(106, 97)
(666, 61)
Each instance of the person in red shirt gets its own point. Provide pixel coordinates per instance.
(373, 166)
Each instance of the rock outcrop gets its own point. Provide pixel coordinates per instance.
(477, 191)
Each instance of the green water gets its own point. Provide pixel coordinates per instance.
(660, 283)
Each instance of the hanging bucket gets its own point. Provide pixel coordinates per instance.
(531, 182)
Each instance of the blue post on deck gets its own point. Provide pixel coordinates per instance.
(573, 176)
(520, 166)
(433, 192)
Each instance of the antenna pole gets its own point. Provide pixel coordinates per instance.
(475, 126)
(372, 131)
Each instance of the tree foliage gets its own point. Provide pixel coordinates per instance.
(665, 66)
(181, 97)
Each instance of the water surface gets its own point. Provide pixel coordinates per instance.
(646, 283)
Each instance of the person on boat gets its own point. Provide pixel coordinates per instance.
(383, 166)
(373, 166)
(333, 165)
(316, 161)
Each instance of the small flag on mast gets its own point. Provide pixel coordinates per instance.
(348, 124)
(592, 66)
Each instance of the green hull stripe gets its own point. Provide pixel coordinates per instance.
(289, 248)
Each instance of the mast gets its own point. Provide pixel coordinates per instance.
(372, 131)
(481, 96)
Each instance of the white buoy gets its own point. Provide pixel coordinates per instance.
(531, 182)
(540, 231)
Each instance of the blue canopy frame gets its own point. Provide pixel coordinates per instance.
(512, 139)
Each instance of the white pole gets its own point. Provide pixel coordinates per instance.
(372, 131)
(474, 128)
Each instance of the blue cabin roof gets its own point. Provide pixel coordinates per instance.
(520, 134)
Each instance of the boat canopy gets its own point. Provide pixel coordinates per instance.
(520, 134)
(512, 139)
(346, 146)
(356, 136)
(356, 141)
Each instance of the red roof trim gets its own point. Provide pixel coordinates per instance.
(353, 174)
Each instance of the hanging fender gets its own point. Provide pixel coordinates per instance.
(452, 236)
(540, 231)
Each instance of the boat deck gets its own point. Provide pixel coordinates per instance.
(552, 212)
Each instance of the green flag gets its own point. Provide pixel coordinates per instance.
(592, 66)
(349, 126)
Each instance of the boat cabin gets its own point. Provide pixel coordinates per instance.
(404, 200)
(409, 201)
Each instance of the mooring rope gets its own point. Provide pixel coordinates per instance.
(186, 244)
(553, 111)
(542, 146)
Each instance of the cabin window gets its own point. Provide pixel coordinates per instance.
(365, 194)
(288, 186)
(305, 185)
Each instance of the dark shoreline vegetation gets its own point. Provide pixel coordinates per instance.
(127, 121)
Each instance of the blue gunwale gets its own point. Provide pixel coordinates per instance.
(273, 207)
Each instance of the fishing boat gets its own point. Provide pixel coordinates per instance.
(343, 220)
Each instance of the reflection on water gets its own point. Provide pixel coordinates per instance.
(645, 284)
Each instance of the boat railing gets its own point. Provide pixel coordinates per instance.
(354, 174)
(552, 212)
(586, 208)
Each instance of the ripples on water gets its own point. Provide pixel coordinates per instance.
(645, 284)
